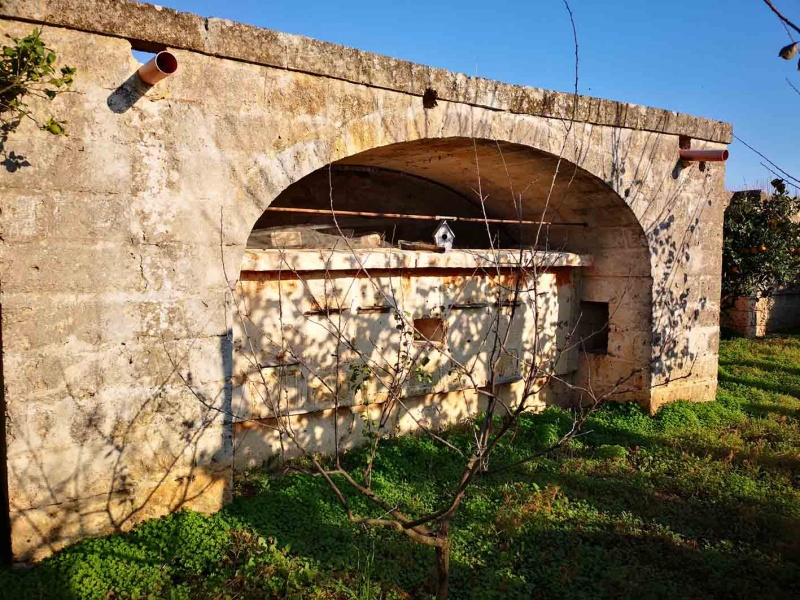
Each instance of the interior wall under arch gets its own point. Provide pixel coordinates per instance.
(375, 189)
(467, 178)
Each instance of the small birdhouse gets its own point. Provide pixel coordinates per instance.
(444, 237)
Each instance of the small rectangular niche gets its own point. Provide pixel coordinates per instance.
(429, 329)
(592, 332)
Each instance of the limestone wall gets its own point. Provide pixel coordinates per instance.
(756, 317)
(122, 241)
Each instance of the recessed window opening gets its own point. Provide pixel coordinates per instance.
(592, 332)
(429, 330)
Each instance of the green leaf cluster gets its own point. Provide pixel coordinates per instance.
(28, 70)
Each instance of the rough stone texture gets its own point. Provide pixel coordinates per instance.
(157, 26)
(290, 352)
(121, 242)
(756, 317)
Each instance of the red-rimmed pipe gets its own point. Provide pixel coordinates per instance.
(157, 68)
(689, 155)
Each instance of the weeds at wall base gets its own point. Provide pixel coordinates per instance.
(702, 501)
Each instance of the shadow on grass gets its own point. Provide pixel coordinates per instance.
(665, 507)
(767, 386)
(675, 548)
(762, 409)
(683, 530)
(763, 365)
(692, 513)
(587, 563)
(303, 513)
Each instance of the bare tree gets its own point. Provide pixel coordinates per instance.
(518, 345)
(389, 372)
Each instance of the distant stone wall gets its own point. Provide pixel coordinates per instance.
(756, 317)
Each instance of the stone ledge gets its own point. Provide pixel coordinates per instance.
(155, 26)
(387, 258)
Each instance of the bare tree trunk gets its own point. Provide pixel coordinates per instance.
(443, 562)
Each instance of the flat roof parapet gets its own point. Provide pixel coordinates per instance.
(158, 26)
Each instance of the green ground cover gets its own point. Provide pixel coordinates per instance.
(702, 501)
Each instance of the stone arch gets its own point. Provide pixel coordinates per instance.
(583, 148)
(590, 218)
(592, 164)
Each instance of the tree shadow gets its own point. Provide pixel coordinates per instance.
(767, 386)
(602, 563)
(12, 162)
(698, 513)
(763, 365)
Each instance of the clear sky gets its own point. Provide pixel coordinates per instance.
(711, 58)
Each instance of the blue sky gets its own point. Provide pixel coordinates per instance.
(711, 58)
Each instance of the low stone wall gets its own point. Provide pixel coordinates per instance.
(756, 317)
(312, 320)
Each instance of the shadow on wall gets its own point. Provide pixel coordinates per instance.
(434, 337)
(148, 450)
(127, 94)
(104, 484)
(685, 255)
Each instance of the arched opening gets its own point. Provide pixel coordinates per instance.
(426, 240)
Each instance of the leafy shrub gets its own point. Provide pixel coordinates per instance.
(761, 243)
(27, 69)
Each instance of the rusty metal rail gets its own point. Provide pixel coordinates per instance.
(379, 215)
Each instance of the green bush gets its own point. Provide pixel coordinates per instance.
(761, 243)
(27, 70)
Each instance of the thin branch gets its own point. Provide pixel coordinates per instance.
(780, 15)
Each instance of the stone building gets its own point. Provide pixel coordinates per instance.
(125, 246)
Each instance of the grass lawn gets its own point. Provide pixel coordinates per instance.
(702, 501)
